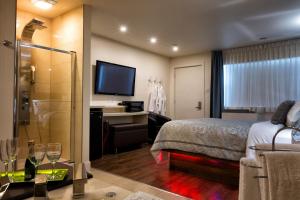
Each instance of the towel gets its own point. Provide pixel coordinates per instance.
(283, 171)
(264, 183)
(249, 186)
(268, 147)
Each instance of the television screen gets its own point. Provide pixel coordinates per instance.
(113, 79)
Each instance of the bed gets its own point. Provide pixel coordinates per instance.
(212, 145)
(225, 139)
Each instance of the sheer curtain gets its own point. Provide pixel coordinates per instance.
(262, 76)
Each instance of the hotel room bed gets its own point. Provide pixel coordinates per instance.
(224, 139)
(212, 148)
(217, 138)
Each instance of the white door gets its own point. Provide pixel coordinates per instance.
(189, 92)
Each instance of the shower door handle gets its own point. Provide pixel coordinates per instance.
(8, 44)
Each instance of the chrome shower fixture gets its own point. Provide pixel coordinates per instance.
(30, 28)
(33, 68)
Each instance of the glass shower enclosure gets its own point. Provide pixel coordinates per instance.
(44, 97)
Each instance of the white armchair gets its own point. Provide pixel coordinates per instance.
(248, 185)
(254, 176)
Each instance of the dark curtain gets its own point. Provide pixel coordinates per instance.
(216, 94)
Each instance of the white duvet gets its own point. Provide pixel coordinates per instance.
(263, 132)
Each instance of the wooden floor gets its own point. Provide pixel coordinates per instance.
(139, 165)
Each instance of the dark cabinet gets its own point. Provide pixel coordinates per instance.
(96, 133)
(155, 122)
(126, 135)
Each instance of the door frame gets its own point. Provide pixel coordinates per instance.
(174, 76)
(8, 10)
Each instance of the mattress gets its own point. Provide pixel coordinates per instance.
(263, 132)
(219, 138)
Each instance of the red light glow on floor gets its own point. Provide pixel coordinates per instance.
(187, 157)
(204, 160)
(160, 157)
(185, 189)
(192, 191)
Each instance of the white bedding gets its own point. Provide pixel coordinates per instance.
(263, 132)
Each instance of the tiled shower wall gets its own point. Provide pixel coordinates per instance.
(68, 33)
(53, 81)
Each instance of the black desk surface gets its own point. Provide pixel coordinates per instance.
(25, 190)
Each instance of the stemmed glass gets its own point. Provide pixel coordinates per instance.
(3, 155)
(12, 150)
(39, 155)
(53, 155)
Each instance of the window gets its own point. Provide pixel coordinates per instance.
(261, 82)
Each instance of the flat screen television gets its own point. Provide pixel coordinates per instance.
(114, 79)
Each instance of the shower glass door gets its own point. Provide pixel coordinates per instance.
(44, 97)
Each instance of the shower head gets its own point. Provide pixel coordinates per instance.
(30, 28)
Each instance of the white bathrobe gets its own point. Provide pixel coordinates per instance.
(157, 99)
(152, 97)
(161, 100)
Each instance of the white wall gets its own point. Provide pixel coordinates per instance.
(193, 60)
(147, 65)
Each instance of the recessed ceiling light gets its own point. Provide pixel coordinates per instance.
(44, 4)
(123, 28)
(153, 40)
(175, 48)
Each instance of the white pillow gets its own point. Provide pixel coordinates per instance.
(293, 115)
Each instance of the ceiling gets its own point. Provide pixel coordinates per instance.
(61, 7)
(195, 25)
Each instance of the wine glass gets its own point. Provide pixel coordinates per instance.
(39, 155)
(3, 155)
(12, 150)
(53, 155)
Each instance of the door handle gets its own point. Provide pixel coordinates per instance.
(199, 107)
(8, 44)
